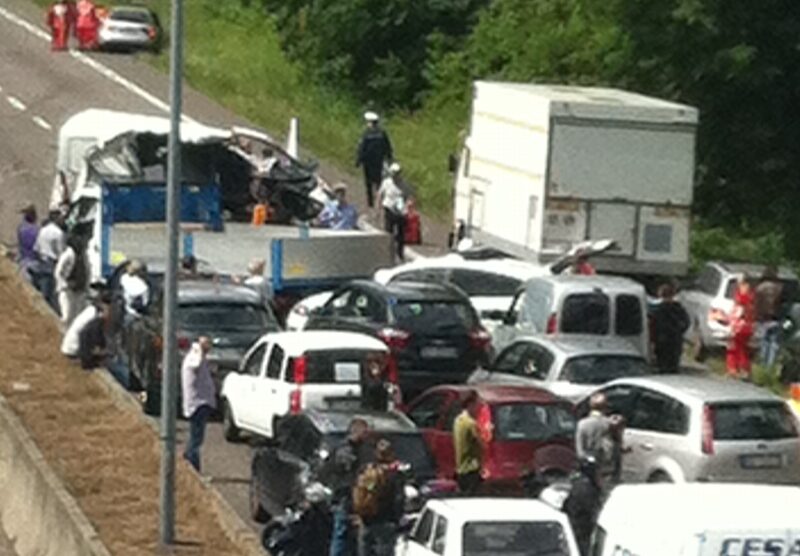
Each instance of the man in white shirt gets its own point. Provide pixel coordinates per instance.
(72, 278)
(394, 195)
(50, 243)
(135, 291)
(70, 343)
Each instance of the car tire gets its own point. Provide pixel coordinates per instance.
(229, 429)
(660, 477)
(257, 511)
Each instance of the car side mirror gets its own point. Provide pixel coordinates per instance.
(452, 163)
(510, 319)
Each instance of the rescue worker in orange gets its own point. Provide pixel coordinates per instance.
(59, 20)
(86, 25)
(737, 356)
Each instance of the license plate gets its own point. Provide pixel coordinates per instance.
(347, 372)
(436, 352)
(761, 461)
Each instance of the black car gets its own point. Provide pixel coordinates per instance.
(304, 442)
(233, 316)
(432, 329)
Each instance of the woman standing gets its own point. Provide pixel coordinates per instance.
(737, 356)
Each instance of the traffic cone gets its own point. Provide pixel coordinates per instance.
(794, 401)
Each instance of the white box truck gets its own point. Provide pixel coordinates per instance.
(547, 166)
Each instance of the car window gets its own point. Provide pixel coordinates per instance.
(525, 359)
(434, 316)
(339, 304)
(659, 413)
(339, 366)
(498, 538)
(275, 362)
(422, 531)
(709, 280)
(437, 275)
(530, 421)
(620, 401)
(224, 316)
(131, 16)
(366, 306)
(253, 364)
(753, 421)
(439, 535)
(537, 304)
(599, 369)
(585, 313)
(488, 284)
(452, 409)
(510, 359)
(628, 315)
(425, 413)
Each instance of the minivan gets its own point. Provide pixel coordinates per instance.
(605, 306)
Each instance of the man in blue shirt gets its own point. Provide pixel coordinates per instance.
(339, 214)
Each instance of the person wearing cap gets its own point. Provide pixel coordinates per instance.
(394, 195)
(339, 214)
(27, 233)
(374, 150)
(50, 243)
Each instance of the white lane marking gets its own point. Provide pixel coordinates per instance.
(103, 70)
(16, 103)
(42, 123)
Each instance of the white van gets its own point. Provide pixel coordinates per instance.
(568, 305)
(694, 519)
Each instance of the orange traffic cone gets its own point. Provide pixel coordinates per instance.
(794, 402)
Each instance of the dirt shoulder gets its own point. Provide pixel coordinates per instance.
(107, 458)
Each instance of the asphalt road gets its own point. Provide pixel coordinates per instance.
(40, 90)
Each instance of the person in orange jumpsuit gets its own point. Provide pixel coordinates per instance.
(86, 25)
(59, 20)
(737, 356)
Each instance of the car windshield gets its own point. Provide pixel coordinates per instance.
(409, 447)
(514, 538)
(422, 316)
(224, 316)
(338, 365)
(531, 421)
(599, 369)
(753, 421)
(131, 16)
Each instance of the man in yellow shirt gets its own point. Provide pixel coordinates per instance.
(467, 446)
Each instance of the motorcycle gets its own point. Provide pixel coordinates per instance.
(304, 530)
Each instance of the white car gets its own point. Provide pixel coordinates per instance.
(489, 527)
(287, 372)
(491, 283)
(297, 317)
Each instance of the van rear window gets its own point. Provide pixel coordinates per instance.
(628, 320)
(585, 313)
(517, 538)
(753, 421)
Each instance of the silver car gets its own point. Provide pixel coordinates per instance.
(709, 301)
(569, 366)
(684, 428)
(130, 28)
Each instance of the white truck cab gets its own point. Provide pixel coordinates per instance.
(694, 519)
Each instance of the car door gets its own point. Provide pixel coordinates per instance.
(271, 395)
(427, 413)
(240, 388)
(655, 436)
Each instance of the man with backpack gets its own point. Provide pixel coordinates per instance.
(378, 501)
(340, 471)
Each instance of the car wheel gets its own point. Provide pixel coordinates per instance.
(660, 477)
(229, 429)
(257, 511)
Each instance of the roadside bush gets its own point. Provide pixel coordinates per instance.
(717, 243)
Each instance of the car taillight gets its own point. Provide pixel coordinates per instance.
(552, 324)
(480, 339)
(184, 343)
(295, 401)
(719, 316)
(395, 338)
(300, 368)
(708, 430)
(390, 368)
(485, 425)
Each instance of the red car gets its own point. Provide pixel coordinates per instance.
(526, 431)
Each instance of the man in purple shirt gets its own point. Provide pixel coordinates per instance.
(199, 397)
(27, 232)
